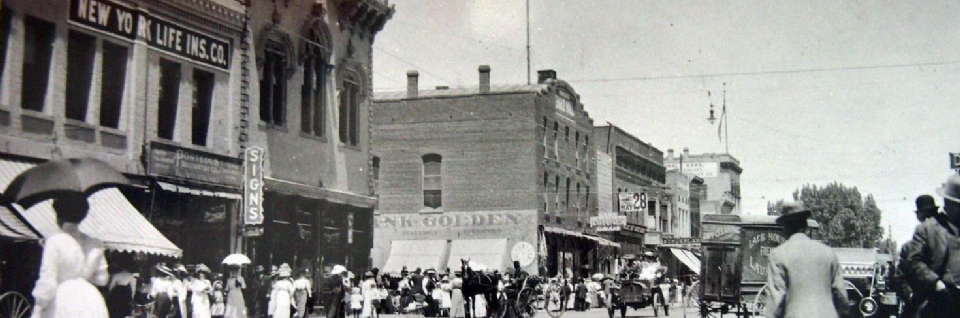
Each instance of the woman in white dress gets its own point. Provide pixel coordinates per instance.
(302, 291)
(72, 264)
(446, 288)
(201, 288)
(281, 296)
(368, 289)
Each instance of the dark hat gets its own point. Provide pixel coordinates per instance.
(793, 212)
(951, 189)
(926, 202)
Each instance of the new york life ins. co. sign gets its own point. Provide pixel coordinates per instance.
(132, 24)
(253, 186)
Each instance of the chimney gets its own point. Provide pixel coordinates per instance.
(413, 78)
(484, 78)
(686, 152)
(669, 153)
(544, 75)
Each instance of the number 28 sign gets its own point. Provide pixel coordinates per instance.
(253, 186)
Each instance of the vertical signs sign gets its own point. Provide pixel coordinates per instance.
(253, 186)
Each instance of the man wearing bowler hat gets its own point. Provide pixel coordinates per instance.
(926, 207)
(804, 276)
(931, 260)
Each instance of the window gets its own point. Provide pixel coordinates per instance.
(273, 85)
(169, 95)
(203, 83)
(566, 200)
(556, 194)
(546, 187)
(566, 134)
(432, 189)
(576, 144)
(313, 95)
(5, 24)
(556, 149)
(349, 108)
(37, 51)
(586, 149)
(578, 201)
(543, 129)
(586, 201)
(112, 83)
(81, 50)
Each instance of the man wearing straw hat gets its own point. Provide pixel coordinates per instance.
(804, 277)
(931, 260)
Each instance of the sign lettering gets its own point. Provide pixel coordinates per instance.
(727, 233)
(253, 186)
(681, 240)
(177, 162)
(757, 253)
(608, 223)
(632, 202)
(112, 18)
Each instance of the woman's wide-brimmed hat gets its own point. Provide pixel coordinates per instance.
(338, 269)
(201, 268)
(285, 270)
(951, 189)
(368, 274)
(164, 269)
(793, 211)
(180, 268)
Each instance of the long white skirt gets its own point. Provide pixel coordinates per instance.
(77, 298)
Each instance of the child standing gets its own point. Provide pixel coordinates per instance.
(218, 308)
(356, 302)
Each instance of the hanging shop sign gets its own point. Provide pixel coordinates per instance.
(608, 222)
(253, 186)
(184, 163)
(132, 24)
(681, 240)
(632, 202)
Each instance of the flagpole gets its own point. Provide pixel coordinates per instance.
(726, 126)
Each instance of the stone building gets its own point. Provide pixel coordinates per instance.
(720, 174)
(154, 89)
(309, 111)
(491, 173)
(628, 165)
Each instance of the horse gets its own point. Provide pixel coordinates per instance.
(476, 283)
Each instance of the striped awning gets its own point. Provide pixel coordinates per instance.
(112, 219)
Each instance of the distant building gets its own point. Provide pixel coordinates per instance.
(626, 164)
(488, 173)
(720, 174)
(698, 191)
(679, 220)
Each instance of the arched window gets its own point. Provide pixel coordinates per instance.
(566, 200)
(556, 194)
(273, 83)
(313, 94)
(432, 183)
(578, 201)
(546, 186)
(350, 109)
(556, 148)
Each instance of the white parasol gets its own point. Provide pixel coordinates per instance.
(236, 259)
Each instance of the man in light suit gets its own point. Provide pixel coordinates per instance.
(804, 276)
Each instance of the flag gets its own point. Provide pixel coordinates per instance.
(723, 115)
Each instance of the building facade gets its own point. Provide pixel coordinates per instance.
(698, 190)
(489, 173)
(720, 174)
(629, 165)
(309, 107)
(152, 88)
(679, 220)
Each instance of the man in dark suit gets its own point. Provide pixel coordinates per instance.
(931, 260)
(814, 286)
(926, 208)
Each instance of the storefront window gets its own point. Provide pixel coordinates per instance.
(203, 83)
(112, 84)
(81, 50)
(169, 96)
(38, 49)
(432, 185)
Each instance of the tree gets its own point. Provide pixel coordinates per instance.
(846, 218)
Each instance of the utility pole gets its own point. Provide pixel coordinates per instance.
(726, 122)
(528, 42)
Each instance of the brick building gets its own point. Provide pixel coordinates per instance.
(309, 108)
(489, 173)
(720, 174)
(153, 88)
(626, 164)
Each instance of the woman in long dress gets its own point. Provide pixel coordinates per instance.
(457, 309)
(236, 308)
(72, 264)
(368, 289)
(281, 296)
(161, 291)
(200, 298)
(302, 290)
(123, 285)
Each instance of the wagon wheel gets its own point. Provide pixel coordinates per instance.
(693, 296)
(14, 305)
(526, 303)
(553, 303)
(759, 305)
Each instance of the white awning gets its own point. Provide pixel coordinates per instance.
(694, 259)
(183, 189)
(112, 219)
(681, 255)
(483, 254)
(599, 240)
(424, 254)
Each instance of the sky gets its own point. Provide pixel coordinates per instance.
(860, 92)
